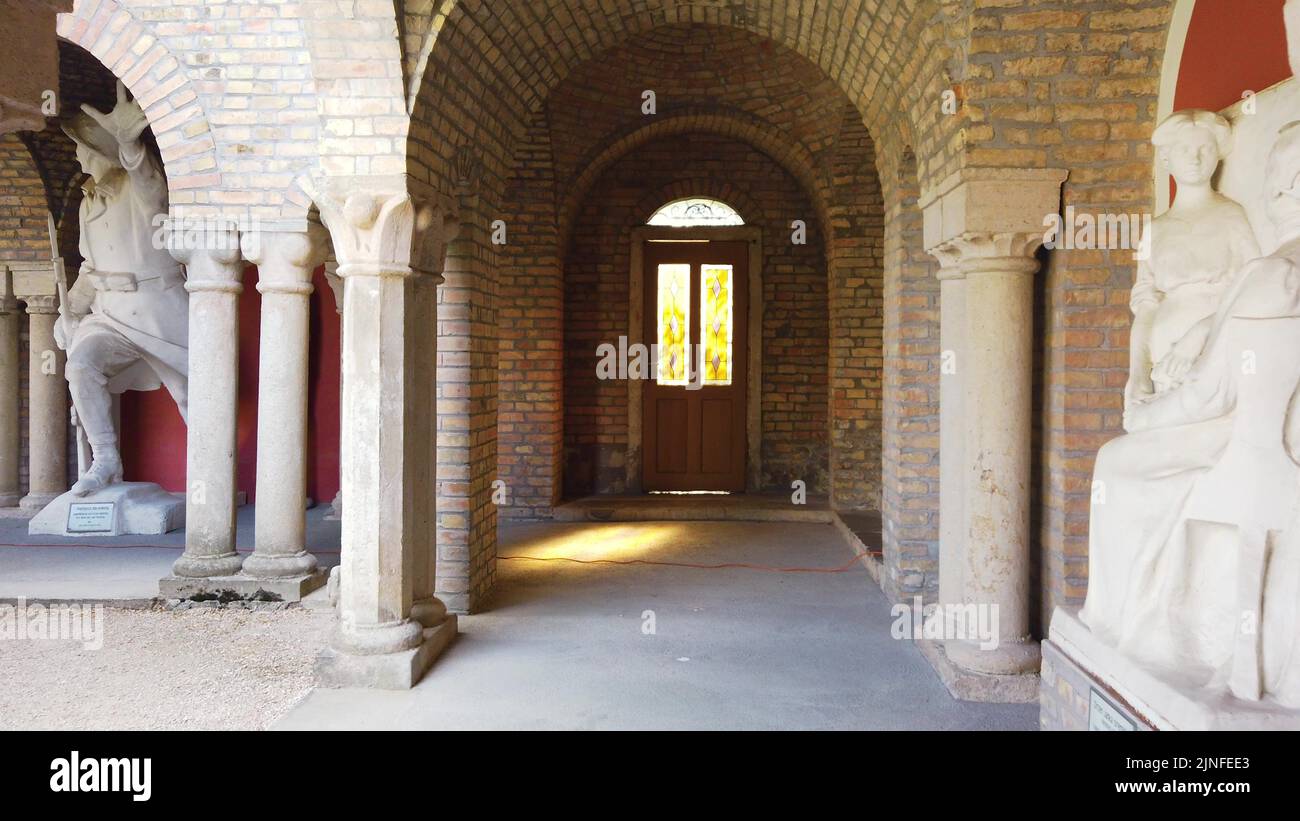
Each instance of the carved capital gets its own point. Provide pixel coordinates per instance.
(387, 233)
(285, 260)
(47, 304)
(215, 264)
(972, 253)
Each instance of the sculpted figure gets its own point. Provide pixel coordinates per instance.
(1196, 249)
(124, 323)
(1194, 555)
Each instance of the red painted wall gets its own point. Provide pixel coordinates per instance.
(1232, 46)
(153, 434)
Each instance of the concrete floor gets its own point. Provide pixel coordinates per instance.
(565, 645)
(123, 569)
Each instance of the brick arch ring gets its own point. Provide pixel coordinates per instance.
(791, 156)
(158, 82)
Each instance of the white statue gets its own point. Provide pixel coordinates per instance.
(1196, 249)
(124, 323)
(1194, 554)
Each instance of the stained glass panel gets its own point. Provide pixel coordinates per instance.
(718, 322)
(674, 322)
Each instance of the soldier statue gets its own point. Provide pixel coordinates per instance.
(124, 323)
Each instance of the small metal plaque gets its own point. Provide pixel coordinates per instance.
(1104, 715)
(90, 517)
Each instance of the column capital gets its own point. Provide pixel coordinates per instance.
(997, 202)
(285, 260)
(972, 253)
(212, 265)
(387, 232)
(45, 304)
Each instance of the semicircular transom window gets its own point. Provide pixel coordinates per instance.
(694, 212)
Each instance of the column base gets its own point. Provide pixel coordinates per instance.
(37, 501)
(429, 612)
(10, 499)
(234, 587)
(385, 671)
(264, 566)
(969, 685)
(198, 568)
(1009, 658)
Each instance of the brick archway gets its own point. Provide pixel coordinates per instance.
(157, 79)
(791, 156)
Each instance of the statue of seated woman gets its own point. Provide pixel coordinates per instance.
(1194, 546)
(1194, 252)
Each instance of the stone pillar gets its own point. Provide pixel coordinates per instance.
(952, 335)
(996, 424)
(389, 250)
(214, 281)
(985, 225)
(10, 435)
(47, 414)
(285, 264)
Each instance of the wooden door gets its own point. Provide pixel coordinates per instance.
(696, 301)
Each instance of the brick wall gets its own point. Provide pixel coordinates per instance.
(706, 79)
(1073, 87)
(910, 496)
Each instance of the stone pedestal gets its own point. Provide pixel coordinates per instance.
(1087, 684)
(123, 509)
(241, 587)
(48, 408)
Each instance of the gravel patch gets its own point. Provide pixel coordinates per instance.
(200, 669)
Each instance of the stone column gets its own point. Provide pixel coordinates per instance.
(214, 281)
(285, 263)
(390, 627)
(985, 225)
(996, 424)
(10, 435)
(47, 414)
(952, 335)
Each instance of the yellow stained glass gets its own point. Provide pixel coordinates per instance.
(718, 324)
(674, 322)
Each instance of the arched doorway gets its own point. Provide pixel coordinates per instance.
(695, 285)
